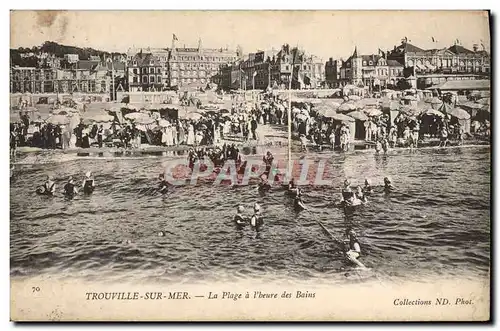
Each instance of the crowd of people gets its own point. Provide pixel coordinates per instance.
(208, 128)
(404, 131)
(239, 124)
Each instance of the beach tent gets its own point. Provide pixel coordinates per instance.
(359, 124)
(463, 118)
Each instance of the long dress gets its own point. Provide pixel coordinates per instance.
(164, 136)
(169, 138)
(182, 135)
(174, 135)
(190, 137)
(227, 128)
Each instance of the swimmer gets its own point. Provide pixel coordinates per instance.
(256, 221)
(268, 161)
(298, 204)
(360, 195)
(347, 193)
(48, 188)
(388, 185)
(353, 249)
(70, 188)
(88, 183)
(239, 219)
(277, 176)
(163, 184)
(367, 189)
(264, 184)
(378, 146)
(291, 185)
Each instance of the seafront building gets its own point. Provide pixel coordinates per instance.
(423, 67)
(174, 67)
(288, 66)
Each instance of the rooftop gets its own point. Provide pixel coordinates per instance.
(454, 85)
(457, 49)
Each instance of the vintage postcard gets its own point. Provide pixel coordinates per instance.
(250, 166)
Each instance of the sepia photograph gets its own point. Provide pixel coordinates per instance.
(250, 165)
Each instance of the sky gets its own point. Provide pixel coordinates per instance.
(322, 33)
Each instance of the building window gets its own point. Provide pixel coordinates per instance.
(151, 70)
(287, 68)
(151, 79)
(158, 70)
(135, 63)
(134, 80)
(135, 71)
(371, 63)
(158, 79)
(144, 79)
(144, 70)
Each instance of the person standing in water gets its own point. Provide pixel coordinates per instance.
(298, 204)
(353, 249)
(70, 189)
(360, 195)
(163, 184)
(256, 221)
(367, 189)
(264, 185)
(48, 188)
(88, 183)
(388, 185)
(239, 219)
(347, 193)
(268, 161)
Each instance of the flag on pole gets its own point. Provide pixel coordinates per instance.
(433, 40)
(174, 37)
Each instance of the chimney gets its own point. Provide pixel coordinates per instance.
(475, 47)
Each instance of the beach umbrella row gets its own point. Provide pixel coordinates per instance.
(58, 119)
(98, 118)
(140, 118)
(460, 113)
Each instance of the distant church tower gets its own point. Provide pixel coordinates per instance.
(357, 68)
(199, 45)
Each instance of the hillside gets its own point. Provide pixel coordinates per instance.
(53, 48)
